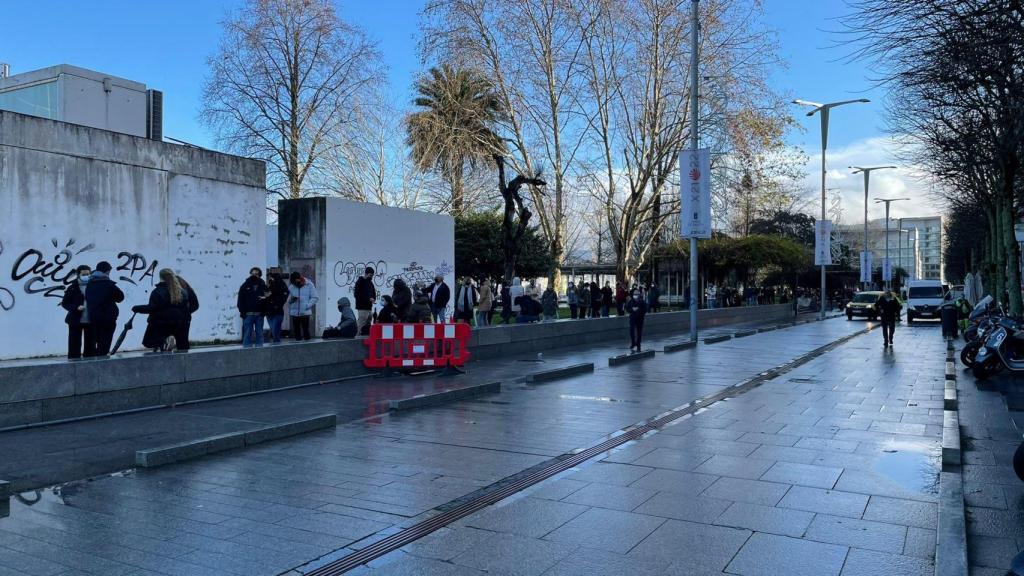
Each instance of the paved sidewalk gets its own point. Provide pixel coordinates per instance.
(44, 456)
(270, 508)
(993, 495)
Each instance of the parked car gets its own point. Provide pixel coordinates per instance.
(863, 304)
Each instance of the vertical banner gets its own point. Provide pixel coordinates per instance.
(865, 266)
(823, 243)
(695, 193)
(886, 270)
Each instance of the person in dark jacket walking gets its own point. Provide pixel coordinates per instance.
(79, 328)
(439, 294)
(889, 312)
(168, 311)
(275, 304)
(101, 298)
(401, 294)
(365, 294)
(637, 310)
(252, 296)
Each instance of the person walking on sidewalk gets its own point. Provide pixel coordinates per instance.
(79, 329)
(101, 298)
(889, 312)
(637, 310)
(252, 296)
(486, 305)
(302, 297)
(275, 303)
(439, 294)
(365, 294)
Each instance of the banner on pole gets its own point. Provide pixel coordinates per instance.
(886, 270)
(865, 266)
(823, 243)
(695, 193)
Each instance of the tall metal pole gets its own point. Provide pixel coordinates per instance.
(824, 145)
(899, 244)
(694, 142)
(867, 174)
(888, 283)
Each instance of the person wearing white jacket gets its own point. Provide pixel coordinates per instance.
(514, 292)
(302, 297)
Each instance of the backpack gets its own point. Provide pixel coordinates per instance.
(331, 332)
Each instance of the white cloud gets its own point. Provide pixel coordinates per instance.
(906, 181)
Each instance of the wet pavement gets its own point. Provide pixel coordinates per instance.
(993, 495)
(827, 469)
(44, 456)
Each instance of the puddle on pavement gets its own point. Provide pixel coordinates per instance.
(595, 398)
(914, 466)
(62, 494)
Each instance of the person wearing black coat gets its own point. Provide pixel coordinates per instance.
(388, 313)
(607, 299)
(439, 294)
(637, 310)
(365, 294)
(79, 328)
(888, 312)
(182, 337)
(401, 294)
(252, 295)
(274, 304)
(595, 300)
(101, 298)
(168, 311)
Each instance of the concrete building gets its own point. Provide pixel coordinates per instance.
(917, 249)
(85, 97)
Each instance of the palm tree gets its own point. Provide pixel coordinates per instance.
(454, 126)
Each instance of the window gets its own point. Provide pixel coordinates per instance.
(34, 100)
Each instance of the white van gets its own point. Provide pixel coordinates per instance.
(924, 298)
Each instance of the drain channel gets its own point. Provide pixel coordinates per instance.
(503, 489)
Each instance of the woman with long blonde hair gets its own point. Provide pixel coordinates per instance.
(169, 313)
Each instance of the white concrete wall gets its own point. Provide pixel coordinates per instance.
(395, 242)
(59, 209)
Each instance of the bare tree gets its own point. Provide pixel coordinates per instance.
(283, 83)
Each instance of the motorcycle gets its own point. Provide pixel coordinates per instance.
(1003, 348)
(981, 321)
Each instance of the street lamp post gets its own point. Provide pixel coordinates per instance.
(888, 283)
(867, 175)
(824, 109)
(694, 142)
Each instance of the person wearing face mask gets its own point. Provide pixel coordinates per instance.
(79, 328)
(637, 310)
(888, 308)
(465, 301)
(101, 298)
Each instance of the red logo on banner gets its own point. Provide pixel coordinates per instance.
(695, 174)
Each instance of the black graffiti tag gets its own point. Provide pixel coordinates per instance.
(49, 277)
(133, 263)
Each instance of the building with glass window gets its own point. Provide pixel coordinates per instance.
(915, 244)
(86, 97)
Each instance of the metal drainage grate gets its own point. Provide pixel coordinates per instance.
(505, 489)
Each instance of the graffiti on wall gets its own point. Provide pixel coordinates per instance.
(48, 275)
(346, 273)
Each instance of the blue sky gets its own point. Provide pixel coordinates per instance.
(166, 44)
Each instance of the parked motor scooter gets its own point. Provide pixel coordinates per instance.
(1003, 348)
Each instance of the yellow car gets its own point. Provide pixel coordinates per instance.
(863, 304)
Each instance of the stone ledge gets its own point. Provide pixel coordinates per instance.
(767, 329)
(949, 399)
(716, 339)
(951, 538)
(565, 371)
(153, 457)
(951, 455)
(5, 499)
(424, 400)
(744, 333)
(624, 358)
(676, 347)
